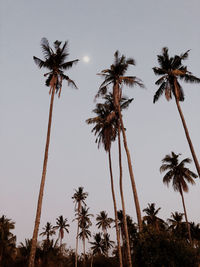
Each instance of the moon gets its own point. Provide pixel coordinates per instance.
(86, 59)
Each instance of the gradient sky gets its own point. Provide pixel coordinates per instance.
(138, 29)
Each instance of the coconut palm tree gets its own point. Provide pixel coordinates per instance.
(106, 127)
(79, 200)
(62, 226)
(179, 175)
(151, 217)
(103, 221)
(54, 61)
(115, 76)
(84, 223)
(48, 231)
(108, 244)
(172, 70)
(98, 246)
(177, 225)
(7, 240)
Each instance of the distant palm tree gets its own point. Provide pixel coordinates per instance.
(108, 244)
(151, 217)
(84, 223)
(7, 240)
(115, 76)
(48, 231)
(103, 221)
(171, 69)
(180, 176)
(177, 225)
(79, 200)
(98, 246)
(62, 226)
(54, 61)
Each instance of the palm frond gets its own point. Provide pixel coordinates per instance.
(159, 92)
(40, 63)
(47, 51)
(69, 64)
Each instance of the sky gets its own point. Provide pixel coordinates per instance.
(138, 29)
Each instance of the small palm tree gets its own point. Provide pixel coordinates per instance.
(176, 224)
(103, 221)
(7, 240)
(79, 200)
(108, 244)
(98, 246)
(54, 61)
(151, 217)
(179, 175)
(84, 223)
(172, 70)
(62, 226)
(48, 231)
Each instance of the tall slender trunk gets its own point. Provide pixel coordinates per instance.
(196, 162)
(76, 254)
(135, 195)
(84, 251)
(188, 138)
(122, 200)
(41, 192)
(115, 210)
(188, 225)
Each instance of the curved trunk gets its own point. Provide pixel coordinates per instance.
(196, 162)
(41, 192)
(188, 225)
(122, 200)
(115, 210)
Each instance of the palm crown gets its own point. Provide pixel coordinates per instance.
(54, 60)
(116, 74)
(177, 172)
(172, 69)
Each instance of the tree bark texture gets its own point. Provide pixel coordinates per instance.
(41, 192)
(122, 200)
(115, 210)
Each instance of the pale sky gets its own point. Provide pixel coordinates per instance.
(138, 29)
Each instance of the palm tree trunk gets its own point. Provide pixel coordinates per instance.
(76, 254)
(188, 225)
(122, 200)
(115, 210)
(135, 195)
(41, 192)
(84, 251)
(187, 135)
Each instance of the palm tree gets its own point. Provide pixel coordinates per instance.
(180, 176)
(54, 61)
(84, 223)
(106, 127)
(79, 200)
(48, 231)
(176, 224)
(98, 246)
(108, 244)
(151, 217)
(115, 76)
(7, 240)
(172, 70)
(103, 221)
(62, 226)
